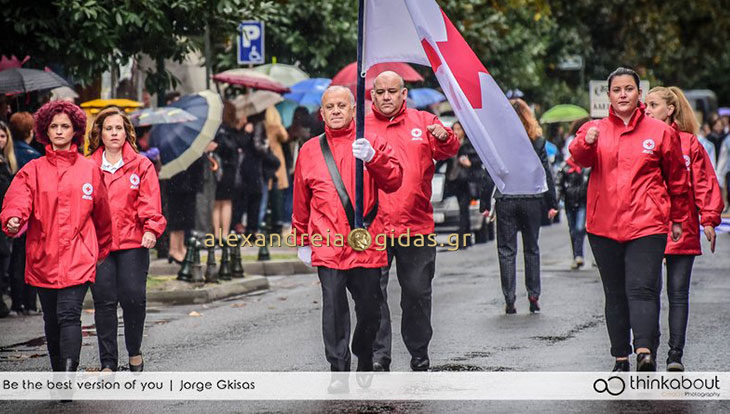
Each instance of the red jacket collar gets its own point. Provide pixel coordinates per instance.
(636, 117)
(69, 156)
(348, 131)
(393, 118)
(128, 153)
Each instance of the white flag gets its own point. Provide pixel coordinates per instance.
(417, 31)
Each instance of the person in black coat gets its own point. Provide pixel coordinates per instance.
(523, 213)
(228, 139)
(572, 185)
(251, 179)
(463, 175)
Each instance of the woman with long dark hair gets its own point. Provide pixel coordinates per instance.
(137, 223)
(638, 185)
(705, 197)
(523, 213)
(62, 199)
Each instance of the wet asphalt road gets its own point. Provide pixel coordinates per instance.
(279, 330)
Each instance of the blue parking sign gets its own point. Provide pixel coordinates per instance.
(251, 42)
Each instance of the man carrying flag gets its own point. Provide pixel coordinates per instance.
(418, 139)
(324, 185)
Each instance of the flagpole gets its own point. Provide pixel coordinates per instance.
(359, 116)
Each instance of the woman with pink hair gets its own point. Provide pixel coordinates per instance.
(61, 199)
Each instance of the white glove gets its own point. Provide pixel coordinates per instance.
(362, 150)
(305, 255)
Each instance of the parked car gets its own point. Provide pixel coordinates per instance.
(446, 209)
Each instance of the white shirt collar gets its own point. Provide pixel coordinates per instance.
(107, 166)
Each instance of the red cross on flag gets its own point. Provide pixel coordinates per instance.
(418, 31)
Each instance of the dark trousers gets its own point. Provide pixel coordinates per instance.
(249, 203)
(464, 198)
(363, 286)
(523, 215)
(679, 271)
(23, 295)
(577, 227)
(62, 318)
(632, 283)
(415, 267)
(120, 279)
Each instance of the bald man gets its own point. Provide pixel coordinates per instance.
(418, 139)
(324, 185)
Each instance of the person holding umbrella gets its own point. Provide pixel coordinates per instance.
(62, 200)
(671, 106)
(137, 223)
(638, 185)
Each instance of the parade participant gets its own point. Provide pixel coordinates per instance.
(638, 184)
(137, 223)
(418, 138)
(671, 106)
(62, 199)
(524, 213)
(324, 183)
(572, 187)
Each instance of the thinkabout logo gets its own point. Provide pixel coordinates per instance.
(669, 385)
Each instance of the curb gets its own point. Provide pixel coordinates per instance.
(197, 296)
(265, 268)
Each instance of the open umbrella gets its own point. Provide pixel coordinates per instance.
(21, 80)
(348, 75)
(309, 91)
(423, 97)
(250, 78)
(63, 92)
(256, 102)
(163, 115)
(182, 143)
(287, 75)
(563, 113)
(723, 111)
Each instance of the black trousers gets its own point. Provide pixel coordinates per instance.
(248, 202)
(23, 295)
(363, 286)
(523, 215)
(121, 279)
(632, 283)
(62, 318)
(679, 271)
(464, 198)
(415, 267)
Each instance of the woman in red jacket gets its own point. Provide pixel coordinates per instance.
(638, 184)
(62, 199)
(137, 222)
(670, 106)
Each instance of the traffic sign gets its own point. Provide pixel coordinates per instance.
(251, 42)
(598, 90)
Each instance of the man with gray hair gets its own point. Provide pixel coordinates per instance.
(418, 139)
(323, 219)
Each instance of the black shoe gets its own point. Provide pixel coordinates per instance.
(137, 368)
(4, 311)
(674, 361)
(420, 363)
(645, 362)
(510, 309)
(534, 305)
(622, 366)
(381, 366)
(69, 365)
(171, 259)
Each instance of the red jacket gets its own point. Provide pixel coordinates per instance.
(63, 199)
(410, 207)
(638, 182)
(134, 197)
(704, 196)
(318, 209)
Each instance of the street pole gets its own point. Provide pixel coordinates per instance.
(359, 116)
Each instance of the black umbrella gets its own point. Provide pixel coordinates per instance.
(20, 80)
